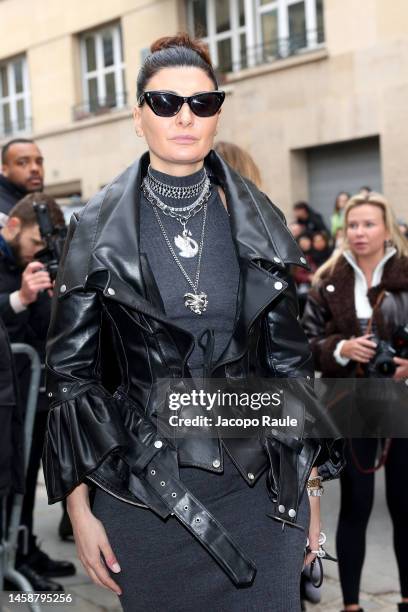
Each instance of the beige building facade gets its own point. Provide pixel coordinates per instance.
(317, 90)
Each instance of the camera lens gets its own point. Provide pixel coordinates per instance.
(385, 365)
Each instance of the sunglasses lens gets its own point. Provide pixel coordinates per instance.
(207, 104)
(164, 104)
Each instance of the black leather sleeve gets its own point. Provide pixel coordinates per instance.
(289, 353)
(84, 423)
(315, 317)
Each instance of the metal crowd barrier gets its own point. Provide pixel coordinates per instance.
(8, 545)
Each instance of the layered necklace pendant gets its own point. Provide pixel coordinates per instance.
(188, 247)
(195, 300)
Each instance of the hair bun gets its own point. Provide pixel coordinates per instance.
(182, 39)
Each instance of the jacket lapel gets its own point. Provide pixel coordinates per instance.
(251, 227)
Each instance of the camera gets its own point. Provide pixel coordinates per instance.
(54, 238)
(382, 365)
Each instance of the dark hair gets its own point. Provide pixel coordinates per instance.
(10, 143)
(173, 51)
(365, 187)
(323, 234)
(302, 205)
(24, 210)
(336, 201)
(305, 235)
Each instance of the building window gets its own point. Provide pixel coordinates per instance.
(15, 111)
(222, 24)
(103, 77)
(242, 33)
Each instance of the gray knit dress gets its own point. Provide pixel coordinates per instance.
(163, 567)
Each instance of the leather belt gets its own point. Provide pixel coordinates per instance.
(154, 463)
(191, 513)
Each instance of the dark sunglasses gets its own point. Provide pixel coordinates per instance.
(166, 104)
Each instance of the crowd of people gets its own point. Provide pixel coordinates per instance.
(352, 288)
(25, 310)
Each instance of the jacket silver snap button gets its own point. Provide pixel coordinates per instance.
(153, 472)
(63, 288)
(303, 260)
(281, 509)
(64, 390)
(158, 444)
(50, 394)
(292, 513)
(277, 259)
(278, 285)
(216, 463)
(185, 507)
(163, 483)
(197, 519)
(330, 288)
(111, 291)
(251, 476)
(174, 494)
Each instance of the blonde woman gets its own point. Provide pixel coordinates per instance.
(366, 278)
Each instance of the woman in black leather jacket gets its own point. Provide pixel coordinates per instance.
(120, 325)
(366, 279)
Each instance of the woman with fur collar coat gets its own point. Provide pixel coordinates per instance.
(363, 288)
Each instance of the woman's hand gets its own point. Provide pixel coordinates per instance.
(91, 541)
(402, 369)
(359, 349)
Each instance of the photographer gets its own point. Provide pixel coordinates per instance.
(25, 291)
(358, 301)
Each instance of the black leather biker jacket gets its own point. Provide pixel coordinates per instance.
(110, 341)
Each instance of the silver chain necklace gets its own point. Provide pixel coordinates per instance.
(188, 247)
(177, 192)
(198, 300)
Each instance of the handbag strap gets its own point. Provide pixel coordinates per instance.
(359, 369)
(375, 308)
(387, 442)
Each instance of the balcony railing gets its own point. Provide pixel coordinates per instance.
(276, 49)
(99, 106)
(10, 129)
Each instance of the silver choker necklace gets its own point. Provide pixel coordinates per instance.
(178, 192)
(188, 247)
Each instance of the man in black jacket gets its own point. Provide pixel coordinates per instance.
(22, 172)
(25, 289)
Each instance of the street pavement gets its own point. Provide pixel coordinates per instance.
(380, 591)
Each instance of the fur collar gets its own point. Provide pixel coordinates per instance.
(338, 290)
